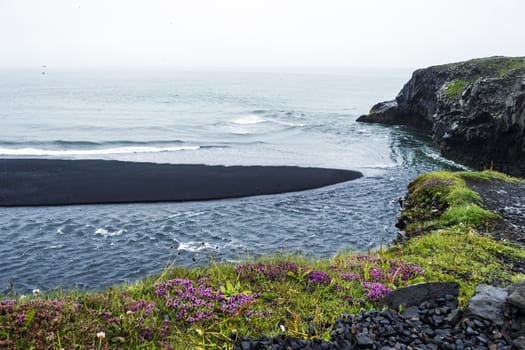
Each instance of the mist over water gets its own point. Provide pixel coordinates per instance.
(201, 118)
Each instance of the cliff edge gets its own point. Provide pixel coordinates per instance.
(475, 111)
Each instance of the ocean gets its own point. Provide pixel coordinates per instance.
(216, 118)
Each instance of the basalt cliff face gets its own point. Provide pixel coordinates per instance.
(475, 111)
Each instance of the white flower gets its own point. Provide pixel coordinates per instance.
(282, 328)
(101, 335)
(36, 291)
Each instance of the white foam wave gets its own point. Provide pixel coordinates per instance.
(436, 156)
(249, 120)
(84, 152)
(194, 246)
(107, 233)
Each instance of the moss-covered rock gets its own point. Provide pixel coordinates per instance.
(442, 199)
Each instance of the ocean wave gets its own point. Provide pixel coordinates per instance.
(194, 246)
(85, 143)
(433, 154)
(107, 233)
(30, 151)
(249, 120)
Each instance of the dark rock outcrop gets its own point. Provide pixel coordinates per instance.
(416, 294)
(488, 303)
(475, 111)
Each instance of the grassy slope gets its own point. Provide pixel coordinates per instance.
(208, 307)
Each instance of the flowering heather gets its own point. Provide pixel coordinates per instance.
(381, 270)
(318, 277)
(277, 271)
(141, 306)
(405, 271)
(376, 291)
(235, 303)
(375, 273)
(6, 306)
(192, 302)
(351, 276)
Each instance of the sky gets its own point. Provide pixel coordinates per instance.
(257, 34)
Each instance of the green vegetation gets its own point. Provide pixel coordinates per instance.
(498, 67)
(455, 88)
(461, 254)
(469, 72)
(442, 199)
(488, 67)
(209, 307)
(487, 175)
(446, 224)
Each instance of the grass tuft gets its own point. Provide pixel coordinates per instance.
(455, 88)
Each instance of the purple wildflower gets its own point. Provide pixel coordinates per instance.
(236, 302)
(318, 277)
(375, 274)
(20, 318)
(351, 276)
(193, 302)
(277, 271)
(382, 270)
(376, 291)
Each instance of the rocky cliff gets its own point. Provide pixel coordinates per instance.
(475, 111)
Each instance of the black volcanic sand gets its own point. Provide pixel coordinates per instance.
(30, 182)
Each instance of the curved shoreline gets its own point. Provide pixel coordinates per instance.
(39, 182)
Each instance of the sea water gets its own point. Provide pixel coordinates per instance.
(216, 118)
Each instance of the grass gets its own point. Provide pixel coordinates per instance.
(207, 307)
(462, 255)
(210, 307)
(489, 67)
(446, 223)
(442, 199)
(470, 71)
(455, 88)
(488, 175)
(501, 66)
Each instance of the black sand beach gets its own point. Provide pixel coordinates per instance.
(32, 182)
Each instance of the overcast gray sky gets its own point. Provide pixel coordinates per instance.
(257, 33)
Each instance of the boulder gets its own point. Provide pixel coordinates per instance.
(488, 303)
(517, 295)
(417, 294)
(475, 111)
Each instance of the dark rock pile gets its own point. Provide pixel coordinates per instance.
(486, 324)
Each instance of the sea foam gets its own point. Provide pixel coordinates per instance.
(249, 120)
(86, 152)
(107, 233)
